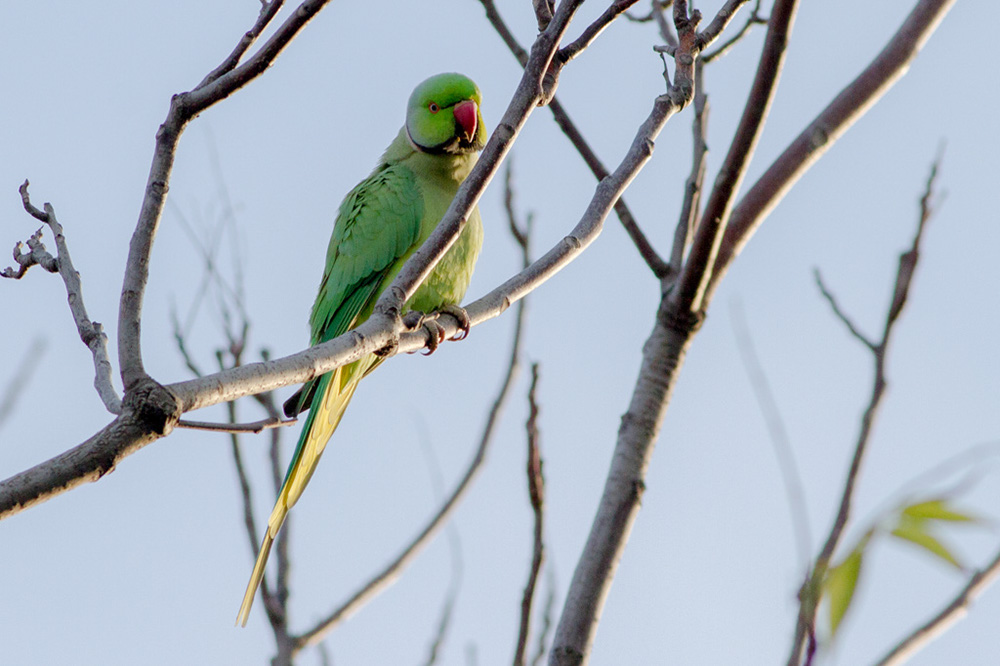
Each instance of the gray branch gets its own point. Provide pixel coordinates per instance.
(811, 590)
(948, 616)
(223, 81)
(850, 104)
(91, 332)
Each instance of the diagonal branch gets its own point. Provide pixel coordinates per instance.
(948, 616)
(840, 314)
(268, 10)
(561, 116)
(849, 105)
(723, 49)
(592, 31)
(254, 427)
(392, 571)
(152, 410)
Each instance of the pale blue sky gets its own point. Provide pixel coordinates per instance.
(149, 564)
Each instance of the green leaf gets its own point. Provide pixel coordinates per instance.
(937, 510)
(915, 531)
(841, 581)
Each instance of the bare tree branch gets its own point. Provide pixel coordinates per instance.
(268, 10)
(90, 332)
(455, 547)
(688, 297)
(543, 635)
(219, 84)
(721, 21)
(840, 314)
(663, 355)
(543, 12)
(690, 208)
(849, 105)
(254, 427)
(658, 13)
(536, 492)
(36, 255)
(948, 616)
(561, 116)
(810, 593)
(723, 49)
(592, 31)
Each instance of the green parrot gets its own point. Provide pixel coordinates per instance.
(379, 225)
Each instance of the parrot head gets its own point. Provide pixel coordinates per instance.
(443, 116)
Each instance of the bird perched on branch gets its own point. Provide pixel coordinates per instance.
(379, 225)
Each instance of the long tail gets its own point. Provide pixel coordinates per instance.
(336, 389)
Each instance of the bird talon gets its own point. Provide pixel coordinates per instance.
(435, 335)
(413, 320)
(462, 317)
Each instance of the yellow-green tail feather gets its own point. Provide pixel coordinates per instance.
(327, 409)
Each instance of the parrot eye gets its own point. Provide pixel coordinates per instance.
(434, 108)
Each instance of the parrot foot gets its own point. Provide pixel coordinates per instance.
(460, 315)
(414, 320)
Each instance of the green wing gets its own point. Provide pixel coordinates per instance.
(378, 224)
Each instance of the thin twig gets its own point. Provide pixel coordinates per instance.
(254, 427)
(592, 31)
(268, 10)
(840, 314)
(442, 627)
(561, 116)
(90, 332)
(810, 593)
(795, 493)
(691, 205)
(663, 24)
(536, 492)
(547, 612)
(724, 48)
(455, 548)
(949, 615)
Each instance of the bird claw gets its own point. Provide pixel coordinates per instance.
(462, 317)
(435, 335)
(414, 320)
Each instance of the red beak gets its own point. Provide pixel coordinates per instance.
(465, 113)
